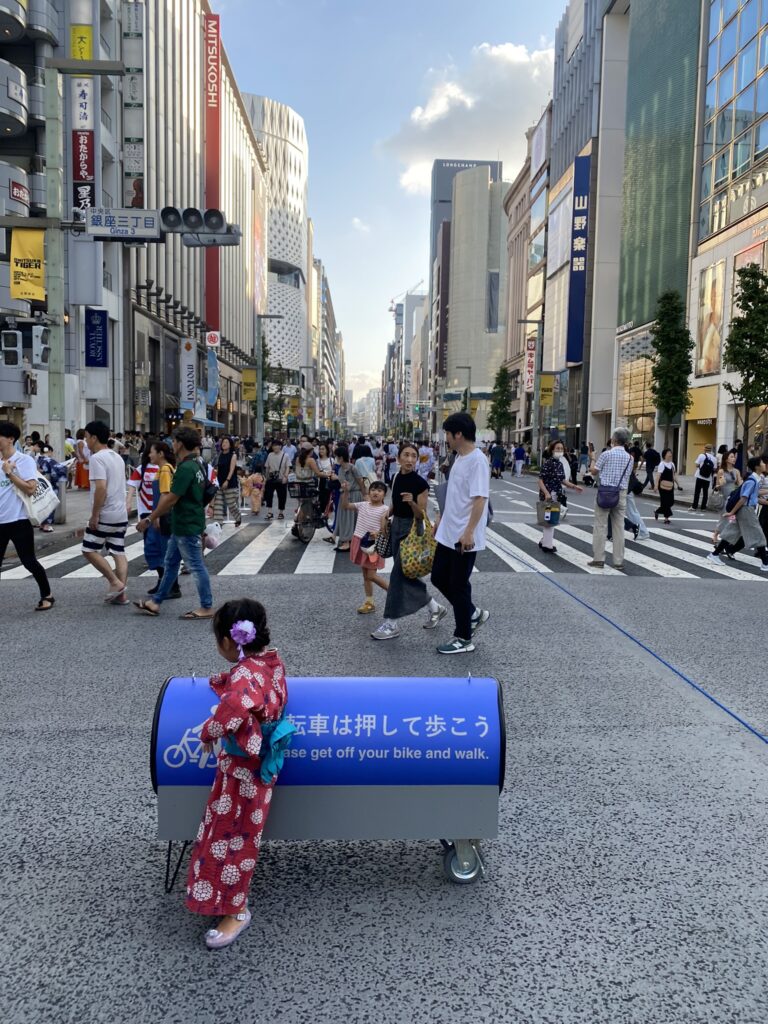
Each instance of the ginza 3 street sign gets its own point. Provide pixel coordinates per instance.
(103, 223)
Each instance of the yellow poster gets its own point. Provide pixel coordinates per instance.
(546, 389)
(249, 385)
(81, 42)
(28, 264)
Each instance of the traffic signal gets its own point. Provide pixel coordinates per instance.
(41, 350)
(199, 228)
(11, 348)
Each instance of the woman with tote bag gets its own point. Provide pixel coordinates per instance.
(18, 479)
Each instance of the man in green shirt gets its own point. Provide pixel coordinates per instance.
(185, 503)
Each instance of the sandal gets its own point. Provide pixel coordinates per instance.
(215, 939)
(194, 615)
(269, 515)
(144, 608)
(45, 604)
(280, 515)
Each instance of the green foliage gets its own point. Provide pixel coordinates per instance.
(500, 415)
(672, 358)
(746, 350)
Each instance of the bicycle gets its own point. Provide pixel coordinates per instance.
(309, 514)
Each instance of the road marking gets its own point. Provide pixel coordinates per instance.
(565, 551)
(700, 545)
(319, 556)
(635, 557)
(90, 572)
(49, 561)
(514, 556)
(253, 557)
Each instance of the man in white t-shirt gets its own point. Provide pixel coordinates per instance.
(461, 531)
(109, 512)
(706, 470)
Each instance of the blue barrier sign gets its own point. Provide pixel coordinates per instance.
(357, 731)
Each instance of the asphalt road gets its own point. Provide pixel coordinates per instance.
(627, 884)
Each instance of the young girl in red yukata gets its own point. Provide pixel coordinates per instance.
(250, 724)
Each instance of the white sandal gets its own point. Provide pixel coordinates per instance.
(215, 939)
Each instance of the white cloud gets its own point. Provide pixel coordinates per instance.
(362, 382)
(361, 226)
(478, 112)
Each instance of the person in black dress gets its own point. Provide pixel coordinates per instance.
(666, 481)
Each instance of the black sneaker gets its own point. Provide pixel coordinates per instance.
(176, 592)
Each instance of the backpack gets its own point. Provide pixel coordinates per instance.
(736, 495)
(258, 461)
(209, 487)
(707, 468)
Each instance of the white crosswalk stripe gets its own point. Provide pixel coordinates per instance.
(512, 547)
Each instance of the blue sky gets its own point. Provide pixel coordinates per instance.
(384, 89)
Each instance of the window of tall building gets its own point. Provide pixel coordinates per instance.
(735, 112)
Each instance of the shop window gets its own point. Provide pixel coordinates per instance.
(728, 44)
(747, 65)
(724, 127)
(742, 155)
(725, 85)
(745, 111)
(747, 22)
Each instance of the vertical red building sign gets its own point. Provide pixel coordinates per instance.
(212, 159)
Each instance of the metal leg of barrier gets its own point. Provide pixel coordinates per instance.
(169, 885)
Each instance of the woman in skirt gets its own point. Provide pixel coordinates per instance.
(406, 596)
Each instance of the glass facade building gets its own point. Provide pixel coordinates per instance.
(734, 173)
(659, 154)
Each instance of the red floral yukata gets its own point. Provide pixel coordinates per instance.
(228, 841)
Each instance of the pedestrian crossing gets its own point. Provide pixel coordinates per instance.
(268, 548)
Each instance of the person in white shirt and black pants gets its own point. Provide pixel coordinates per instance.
(706, 467)
(461, 531)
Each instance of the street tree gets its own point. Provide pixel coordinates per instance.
(672, 359)
(500, 415)
(746, 350)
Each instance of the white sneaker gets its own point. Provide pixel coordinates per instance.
(385, 632)
(714, 559)
(435, 617)
(763, 568)
(480, 619)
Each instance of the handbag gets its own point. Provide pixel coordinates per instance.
(548, 513)
(41, 503)
(608, 494)
(417, 550)
(383, 543)
(716, 500)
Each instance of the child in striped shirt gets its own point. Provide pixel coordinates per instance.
(371, 520)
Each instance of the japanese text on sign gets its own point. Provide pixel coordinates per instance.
(127, 223)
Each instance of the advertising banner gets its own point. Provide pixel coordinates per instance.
(81, 42)
(709, 335)
(529, 372)
(28, 265)
(577, 286)
(213, 377)
(134, 156)
(212, 106)
(187, 373)
(546, 389)
(96, 337)
(249, 384)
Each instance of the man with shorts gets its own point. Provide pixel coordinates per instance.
(109, 512)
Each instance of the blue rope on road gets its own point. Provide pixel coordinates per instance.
(681, 675)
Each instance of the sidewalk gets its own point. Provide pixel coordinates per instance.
(684, 497)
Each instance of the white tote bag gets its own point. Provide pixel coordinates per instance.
(41, 503)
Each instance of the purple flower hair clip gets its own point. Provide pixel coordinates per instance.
(243, 633)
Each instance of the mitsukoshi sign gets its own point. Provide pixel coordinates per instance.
(212, 157)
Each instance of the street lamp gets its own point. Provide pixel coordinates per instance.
(469, 386)
(535, 430)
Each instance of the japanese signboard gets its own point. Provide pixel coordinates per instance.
(213, 339)
(19, 192)
(546, 389)
(129, 223)
(134, 156)
(81, 42)
(96, 337)
(577, 288)
(83, 155)
(28, 264)
(249, 384)
(187, 373)
(212, 107)
(529, 371)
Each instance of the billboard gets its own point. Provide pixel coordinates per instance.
(577, 285)
(212, 105)
(709, 333)
(260, 263)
